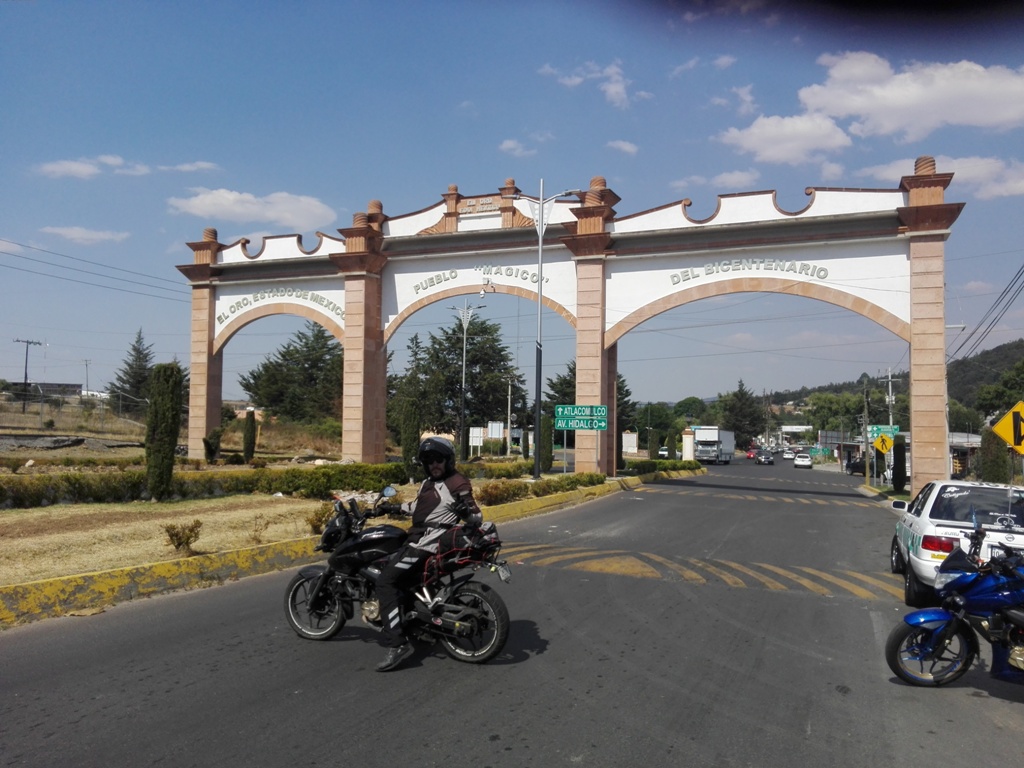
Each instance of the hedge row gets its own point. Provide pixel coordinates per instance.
(504, 491)
(23, 491)
(647, 466)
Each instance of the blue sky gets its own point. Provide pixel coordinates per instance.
(128, 128)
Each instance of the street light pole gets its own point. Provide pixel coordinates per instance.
(542, 224)
(465, 315)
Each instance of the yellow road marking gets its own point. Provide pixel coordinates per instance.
(728, 578)
(886, 587)
(683, 571)
(847, 585)
(575, 555)
(766, 580)
(813, 586)
(626, 565)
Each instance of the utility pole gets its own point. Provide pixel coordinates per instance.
(867, 456)
(24, 401)
(87, 375)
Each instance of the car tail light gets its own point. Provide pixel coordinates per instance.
(940, 543)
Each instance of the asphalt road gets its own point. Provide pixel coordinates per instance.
(735, 619)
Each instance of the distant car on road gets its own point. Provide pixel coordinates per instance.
(663, 452)
(752, 453)
(764, 457)
(788, 454)
(803, 460)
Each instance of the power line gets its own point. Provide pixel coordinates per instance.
(97, 274)
(86, 261)
(96, 285)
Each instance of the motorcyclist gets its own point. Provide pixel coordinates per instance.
(444, 500)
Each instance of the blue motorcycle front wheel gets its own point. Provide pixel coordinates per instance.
(911, 655)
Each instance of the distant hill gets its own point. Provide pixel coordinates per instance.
(963, 377)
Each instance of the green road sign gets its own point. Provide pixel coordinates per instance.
(584, 423)
(581, 412)
(877, 430)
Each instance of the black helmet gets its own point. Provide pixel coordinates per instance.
(434, 447)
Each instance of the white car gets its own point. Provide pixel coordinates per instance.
(939, 520)
(803, 460)
(788, 454)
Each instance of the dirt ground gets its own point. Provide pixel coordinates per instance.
(62, 540)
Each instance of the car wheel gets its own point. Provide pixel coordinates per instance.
(896, 557)
(916, 594)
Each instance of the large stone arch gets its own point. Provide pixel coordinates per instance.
(270, 310)
(602, 273)
(449, 293)
(873, 312)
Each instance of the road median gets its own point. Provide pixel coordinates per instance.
(92, 592)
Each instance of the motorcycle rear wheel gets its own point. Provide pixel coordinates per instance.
(321, 624)
(490, 630)
(906, 656)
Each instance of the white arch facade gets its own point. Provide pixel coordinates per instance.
(879, 253)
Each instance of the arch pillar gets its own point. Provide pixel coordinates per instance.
(206, 368)
(364, 380)
(927, 220)
(596, 366)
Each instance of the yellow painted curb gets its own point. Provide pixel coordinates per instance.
(21, 603)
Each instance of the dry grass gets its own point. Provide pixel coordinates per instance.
(47, 542)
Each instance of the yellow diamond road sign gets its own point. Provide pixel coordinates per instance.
(1011, 427)
(883, 443)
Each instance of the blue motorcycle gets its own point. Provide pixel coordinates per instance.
(936, 646)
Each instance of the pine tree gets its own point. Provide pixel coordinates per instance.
(162, 427)
(300, 382)
(130, 388)
(743, 414)
(995, 466)
(249, 436)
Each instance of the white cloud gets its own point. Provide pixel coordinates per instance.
(515, 148)
(746, 98)
(78, 169)
(198, 165)
(611, 81)
(135, 169)
(791, 140)
(986, 177)
(87, 167)
(85, 236)
(627, 147)
(978, 288)
(919, 99)
(736, 179)
(300, 212)
(831, 171)
(687, 182)
(691, 64)
(724, 62)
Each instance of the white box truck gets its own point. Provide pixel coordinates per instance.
(713, 445)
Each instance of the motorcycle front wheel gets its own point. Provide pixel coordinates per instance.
(320, 624)
(489, 629)
(908, 655)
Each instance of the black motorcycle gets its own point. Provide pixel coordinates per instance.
(468, 618)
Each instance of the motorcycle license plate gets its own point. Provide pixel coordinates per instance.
(504, 573)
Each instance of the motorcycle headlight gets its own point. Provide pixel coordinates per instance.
(942, 579)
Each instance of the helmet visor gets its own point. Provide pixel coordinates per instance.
(432, 457)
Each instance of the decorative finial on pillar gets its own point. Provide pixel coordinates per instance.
(924, 166)
(210, 234)
(375, 206)
(359, 219)
(597, 186)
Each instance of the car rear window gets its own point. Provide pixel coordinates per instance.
(961, 504)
